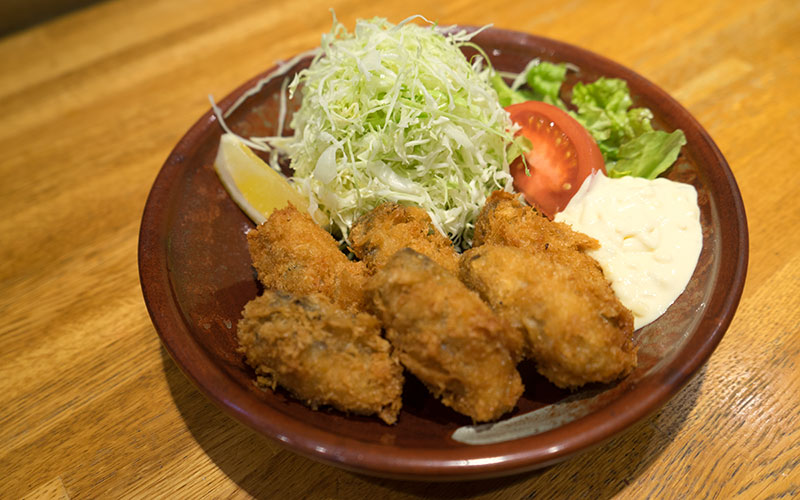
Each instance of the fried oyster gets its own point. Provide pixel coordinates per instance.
(390, 227)
(292, 253)
(574, 326)
(506, 220)
(322, 354)
(447, 336)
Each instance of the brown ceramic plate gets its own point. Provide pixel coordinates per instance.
(196, 277)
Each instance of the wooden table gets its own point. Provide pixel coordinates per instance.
(91, 406)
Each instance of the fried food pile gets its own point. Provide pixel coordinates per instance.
(341, 333)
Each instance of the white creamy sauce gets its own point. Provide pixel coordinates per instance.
(650, 237)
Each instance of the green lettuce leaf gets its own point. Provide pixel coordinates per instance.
(603, 109)
(625, 135)
(544, 81)
(647, 155)
(505, 95)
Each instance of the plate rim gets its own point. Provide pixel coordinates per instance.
(419, 463)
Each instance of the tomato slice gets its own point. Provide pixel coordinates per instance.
(562, 155)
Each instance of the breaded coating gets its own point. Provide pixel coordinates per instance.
(446, 336)
(295, 255)
(506, 220)
(575, 327)
(322, 354)
(551, 290)
(380, 233)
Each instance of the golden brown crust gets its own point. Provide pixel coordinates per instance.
(574, 326)
(390, 227)
(321, 354)
(505, 220)
(293, 254)
(446, 336)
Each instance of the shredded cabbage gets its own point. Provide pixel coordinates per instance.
(397, 113)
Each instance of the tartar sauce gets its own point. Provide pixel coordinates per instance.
(650, 237)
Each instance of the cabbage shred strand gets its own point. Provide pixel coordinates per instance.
(397, 113)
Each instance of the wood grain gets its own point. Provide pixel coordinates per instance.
(91, 405)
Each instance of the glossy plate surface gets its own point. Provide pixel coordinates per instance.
(196, 277)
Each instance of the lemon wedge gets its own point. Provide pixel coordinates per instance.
(254, 186)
